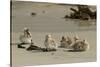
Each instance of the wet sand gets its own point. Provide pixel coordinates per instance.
(22, 57)
(50, 22)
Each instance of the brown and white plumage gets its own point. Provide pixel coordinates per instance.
(25, 37)
(50, 42)
(81, 45)
(65, 42)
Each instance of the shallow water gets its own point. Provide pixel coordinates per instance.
(48, 18)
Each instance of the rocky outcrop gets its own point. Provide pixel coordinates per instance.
(83, 13)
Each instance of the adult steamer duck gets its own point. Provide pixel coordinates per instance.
(50, 43)
(25, 38)
(79, 45)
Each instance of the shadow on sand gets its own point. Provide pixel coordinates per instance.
(73, 50)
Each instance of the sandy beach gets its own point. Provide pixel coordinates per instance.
(49, 22)
(22, 57)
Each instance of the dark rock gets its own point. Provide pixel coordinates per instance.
(33, 14)
(83, 13)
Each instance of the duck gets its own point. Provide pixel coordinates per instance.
(50, 43)
(80, 45)
(65, 42)
(25, 38)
